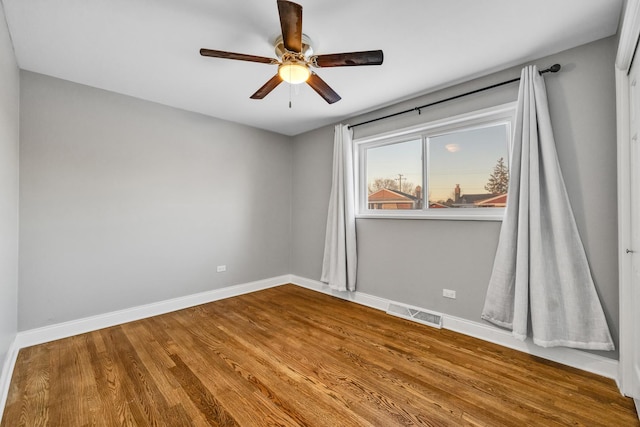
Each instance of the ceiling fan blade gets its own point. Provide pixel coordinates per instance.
(238, 56)
(291, 24)
(323, 89)
(350, 59)
(267, 87)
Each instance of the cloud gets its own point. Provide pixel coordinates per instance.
(452, 148)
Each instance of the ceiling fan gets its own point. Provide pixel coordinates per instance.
(296, 57)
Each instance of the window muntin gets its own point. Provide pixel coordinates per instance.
(456, 157)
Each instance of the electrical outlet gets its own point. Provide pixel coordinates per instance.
(448, 293)
(221, 268)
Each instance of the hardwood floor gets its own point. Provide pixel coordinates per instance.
(288, 356)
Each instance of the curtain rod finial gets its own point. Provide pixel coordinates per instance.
(555, 68)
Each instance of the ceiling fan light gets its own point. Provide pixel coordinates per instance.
(294, 72)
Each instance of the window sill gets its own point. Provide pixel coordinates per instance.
(459, 215)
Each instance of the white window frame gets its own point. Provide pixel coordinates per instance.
(501, 114)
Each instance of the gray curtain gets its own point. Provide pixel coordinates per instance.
(339, 264)
(541, 269)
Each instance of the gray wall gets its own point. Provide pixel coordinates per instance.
(125, 202)
(9, 137)
(411, 261)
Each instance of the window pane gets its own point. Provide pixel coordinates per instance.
(394, 176)
(469, 168)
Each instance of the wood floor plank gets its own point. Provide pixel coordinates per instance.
(385, 360)
(247, 374)
(158, 359)
(526, 391)
(308, 369)
(288, 356)
(214, 411)
(29, 405)
(70, 370)
(218, 376)
(294, 364)
(114, 410)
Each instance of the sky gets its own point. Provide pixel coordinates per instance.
(466, 157)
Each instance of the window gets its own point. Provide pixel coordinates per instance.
(453, 169)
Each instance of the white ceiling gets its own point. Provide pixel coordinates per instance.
(149, 49)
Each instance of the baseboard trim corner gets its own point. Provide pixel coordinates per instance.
(93, 323)
(589, 362)
(357, 297)
(7, 372)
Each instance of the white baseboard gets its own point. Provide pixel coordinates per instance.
(359, 297)
(88, 324)
(93, 323)
(7, 372)
(567, 356)
(575, 358)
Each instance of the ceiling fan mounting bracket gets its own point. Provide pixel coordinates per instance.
(291, 57)
(307, 47)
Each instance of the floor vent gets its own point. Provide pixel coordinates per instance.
(416, 314)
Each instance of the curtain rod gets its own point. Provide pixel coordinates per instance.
(553, 69)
